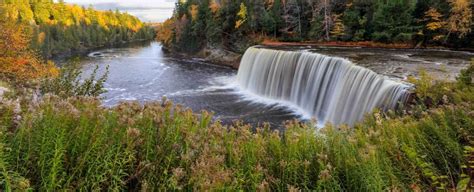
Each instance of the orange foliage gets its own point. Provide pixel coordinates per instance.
(214, 6)
(435, 19)
(165, 31)
(194, 12)
(17, 61)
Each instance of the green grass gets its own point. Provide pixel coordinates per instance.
(75, 144)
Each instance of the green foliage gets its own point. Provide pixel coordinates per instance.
(234, 25)
(466, 76)
(10, 180)
(75, 144)
(69, 83)
(381, 37)
(393, 18)
(403, 38)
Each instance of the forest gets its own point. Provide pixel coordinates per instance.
(56, 134)
(59, 28)
(235, 25)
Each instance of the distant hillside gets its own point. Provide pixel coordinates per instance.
(61, 28)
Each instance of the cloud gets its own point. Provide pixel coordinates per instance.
(150, 11)
(113, 6)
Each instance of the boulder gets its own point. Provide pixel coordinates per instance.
(221, 57)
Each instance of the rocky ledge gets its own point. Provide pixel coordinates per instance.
(215, 56)
(220, 57)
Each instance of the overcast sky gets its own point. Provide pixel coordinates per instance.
(146, 10)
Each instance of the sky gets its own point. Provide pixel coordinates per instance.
(146, 10)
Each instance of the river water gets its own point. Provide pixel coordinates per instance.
(144, 73)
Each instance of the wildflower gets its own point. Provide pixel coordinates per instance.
(283, 163)
(263, 186)
(378, 119)
(471, 114)
(178, 173)
(176, 146)
(322, 157)
(394, 189)
(293, 189)
(344, 128)
(368, 152)
(258, 168)
(324, 175)
(445, 99)
(16, 107)
(415, 188)
(133, 132)
(24, 184)
(352, 139)
(306, 163)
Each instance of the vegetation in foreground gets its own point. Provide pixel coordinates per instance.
(73, 143)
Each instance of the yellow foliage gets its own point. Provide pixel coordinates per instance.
(242, 15)
(68, 15)
(338, 28)
(194, 12)
(214, 6)
(165, 32)
(41, 37)
(16, 60)
(460, 20)
(434, 19)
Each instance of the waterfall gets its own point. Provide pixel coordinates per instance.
(330, 89)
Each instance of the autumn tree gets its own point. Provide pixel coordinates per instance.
(338, 29)
(165, 32)
(241, 15)
(237, 24)
(17, 61)
(62, 27)
(460, 18)
(434, 24)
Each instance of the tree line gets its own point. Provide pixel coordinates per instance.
(60, 28)
(236, 24)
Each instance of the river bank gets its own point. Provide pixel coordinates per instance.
(63, 56)
(224, 57)
(216, 56)
(397, 61)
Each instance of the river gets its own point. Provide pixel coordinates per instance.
(144, 73)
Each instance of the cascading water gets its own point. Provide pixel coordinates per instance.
(330, 89)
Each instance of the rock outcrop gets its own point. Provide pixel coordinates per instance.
(220, 57)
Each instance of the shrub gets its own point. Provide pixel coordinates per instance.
(381, 37)
(466, 76)
(403, 38)
(70, 83)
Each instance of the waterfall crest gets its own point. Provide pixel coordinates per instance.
(330, 89)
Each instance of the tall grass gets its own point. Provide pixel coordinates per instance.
(75, 144)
